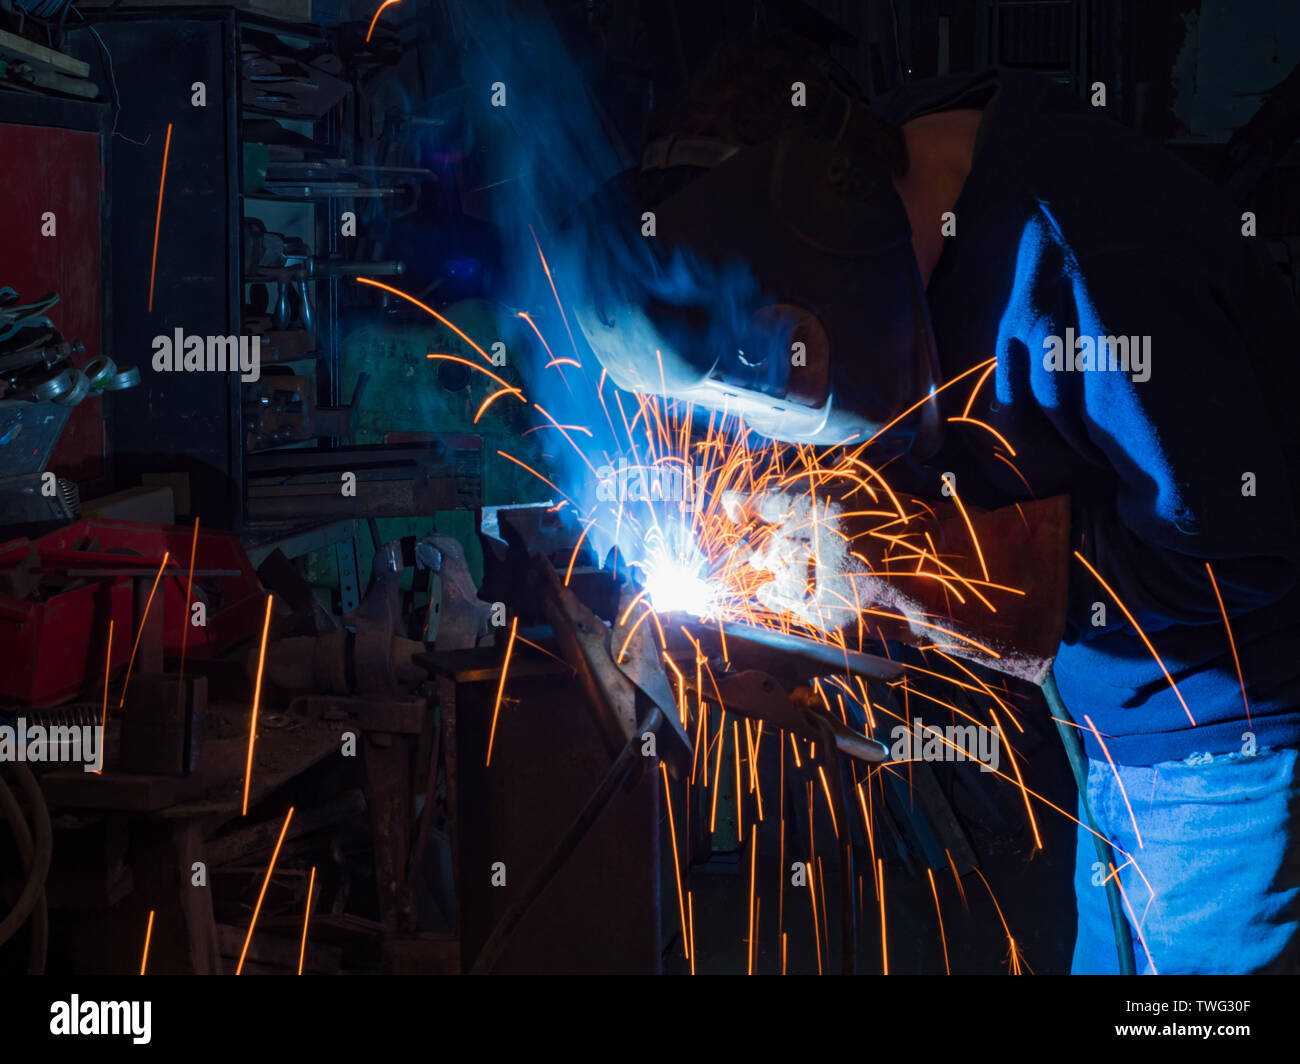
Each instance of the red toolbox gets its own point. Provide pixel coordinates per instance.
(53, 643)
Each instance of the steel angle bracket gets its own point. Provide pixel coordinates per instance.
(620, 693)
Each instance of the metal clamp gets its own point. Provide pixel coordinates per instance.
(127, 378)
(100, 371)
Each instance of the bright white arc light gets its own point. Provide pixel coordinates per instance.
(676, 585)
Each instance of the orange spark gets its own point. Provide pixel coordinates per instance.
(1138, 628)
(148, 934)
(780, 853)
(534, 472)
(812, 900)
(428, 310)
(1029, 809)
(1008, 462)
(647, 612)
(884, 939)
(257, 698)
(438, 356)
(1231, 641)
(306, 916)
(562, 428)
(717, 769)
(581, 454)
(239, 968)
(943, 938)
(987, 428)
(938, 628)
(568, 573)
(189, 591)
(524, 314)
(677, 866)
(378, 12)
(917, 405)
(501, 684)
(157, 223)
(143, 620)
(551, 280)
(829, 805)
(753, 872)
(493, 397)
(740, 826)
(1123, 793)
(690, 920)
(979, 554)
(978, 385)
(543, 650)
(952, 866)
(1015, 953)
(103, 730)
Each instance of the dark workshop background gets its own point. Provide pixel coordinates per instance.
(305, 119)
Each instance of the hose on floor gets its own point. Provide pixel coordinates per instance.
(1079, 766)
(35, 855)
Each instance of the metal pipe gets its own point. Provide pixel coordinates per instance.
(767, 640)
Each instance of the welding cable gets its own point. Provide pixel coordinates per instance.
(1079, 766)
(40, 930)
(37, 859)
(630, 755)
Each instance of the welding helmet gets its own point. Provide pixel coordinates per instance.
(779, 285)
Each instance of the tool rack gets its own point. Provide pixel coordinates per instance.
(199, 283)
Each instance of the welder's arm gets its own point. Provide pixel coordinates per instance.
(997, 597)
(1198, 448)
(1003, 594)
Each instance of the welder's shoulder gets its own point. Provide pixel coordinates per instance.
(1107, 191)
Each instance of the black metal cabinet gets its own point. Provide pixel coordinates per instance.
(178, 421)
(174, 421)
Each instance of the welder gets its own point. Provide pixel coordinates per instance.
(899, 244)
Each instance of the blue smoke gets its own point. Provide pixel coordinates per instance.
(554, 158)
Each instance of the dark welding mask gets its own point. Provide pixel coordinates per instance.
(779, 286)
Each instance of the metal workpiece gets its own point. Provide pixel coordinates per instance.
(617, 672)
(788, 656)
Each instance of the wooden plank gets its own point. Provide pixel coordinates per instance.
(217, 786)
(125, 792)
(12, 44)
(289, 10)
(38, 76)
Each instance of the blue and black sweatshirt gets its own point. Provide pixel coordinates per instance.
(1070, 226)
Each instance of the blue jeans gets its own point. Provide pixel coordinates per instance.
(1215, 885)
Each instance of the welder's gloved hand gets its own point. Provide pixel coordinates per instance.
(834, 564)
(821, 571)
